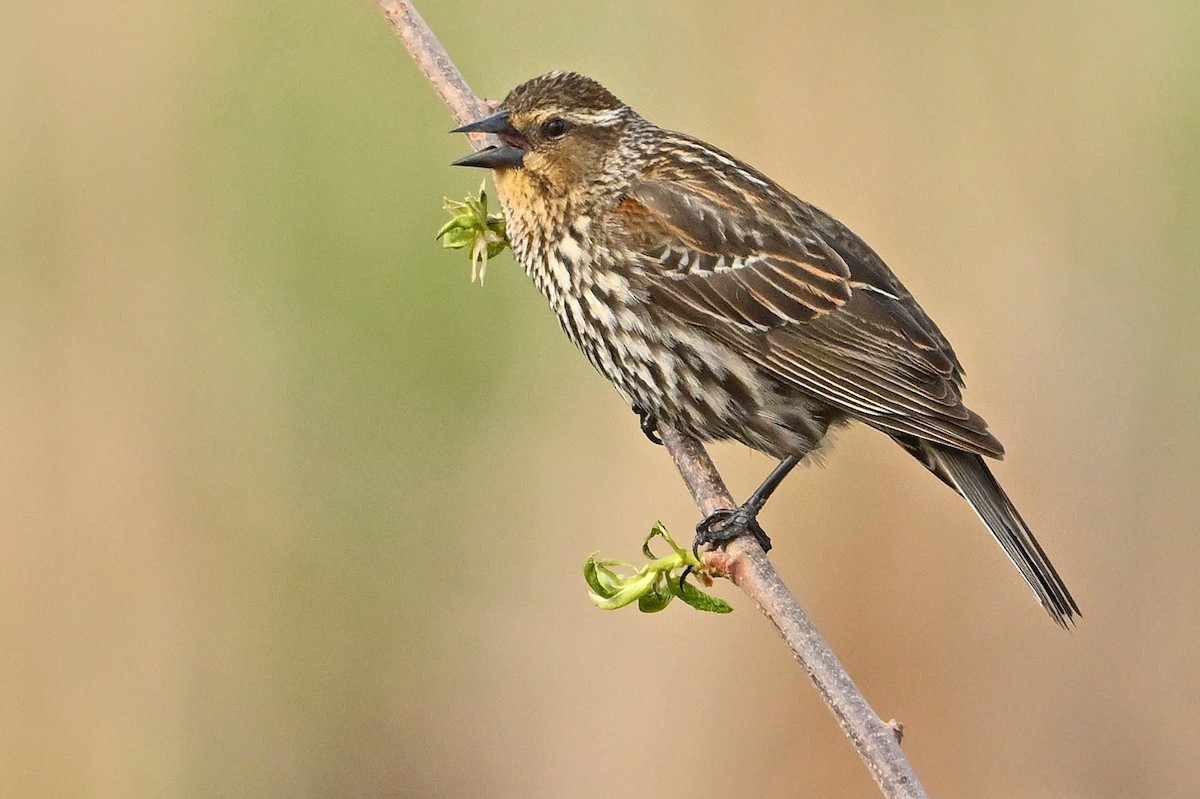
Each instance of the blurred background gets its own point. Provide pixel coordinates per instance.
(290, 508)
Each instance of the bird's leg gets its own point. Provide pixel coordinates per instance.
(649, 424)
(723, 526)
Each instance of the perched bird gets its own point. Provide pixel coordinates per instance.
(721, 304)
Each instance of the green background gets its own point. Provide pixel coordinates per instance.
(289, 508)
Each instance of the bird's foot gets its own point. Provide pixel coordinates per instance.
(649, 424)
(723, 526)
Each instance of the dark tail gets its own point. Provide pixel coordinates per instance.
(967, 474)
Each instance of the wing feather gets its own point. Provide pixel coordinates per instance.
(804, 298)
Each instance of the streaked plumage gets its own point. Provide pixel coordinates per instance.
(722, 304)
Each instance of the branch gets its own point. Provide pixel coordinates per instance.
(747, 566)
(743, 561)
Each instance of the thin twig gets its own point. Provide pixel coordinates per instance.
(748, 567)
(743, 562)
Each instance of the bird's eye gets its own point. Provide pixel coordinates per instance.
(554, 128)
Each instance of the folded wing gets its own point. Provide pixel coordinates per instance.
(803, 297)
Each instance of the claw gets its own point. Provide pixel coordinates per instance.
(722, 526)
(726, 524)
(648, 423)
(686, 571)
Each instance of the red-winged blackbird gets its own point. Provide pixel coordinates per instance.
(723, 305)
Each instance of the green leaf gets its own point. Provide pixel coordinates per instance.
(591, 575)
(654, 585)
(457, 237)
(698, 599)
(472, 228)
(655, 531)
(609, 577)
(629, 593)
(659, 596)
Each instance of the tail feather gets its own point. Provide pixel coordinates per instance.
(969, 475)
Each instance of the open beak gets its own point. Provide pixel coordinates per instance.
(506, 156)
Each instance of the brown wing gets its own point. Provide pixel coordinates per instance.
(798, 293)
(719, 269)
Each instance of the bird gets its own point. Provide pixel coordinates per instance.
(720, 303)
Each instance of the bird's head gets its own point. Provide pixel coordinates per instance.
(556, 130)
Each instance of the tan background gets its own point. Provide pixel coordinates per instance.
(291, 509)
